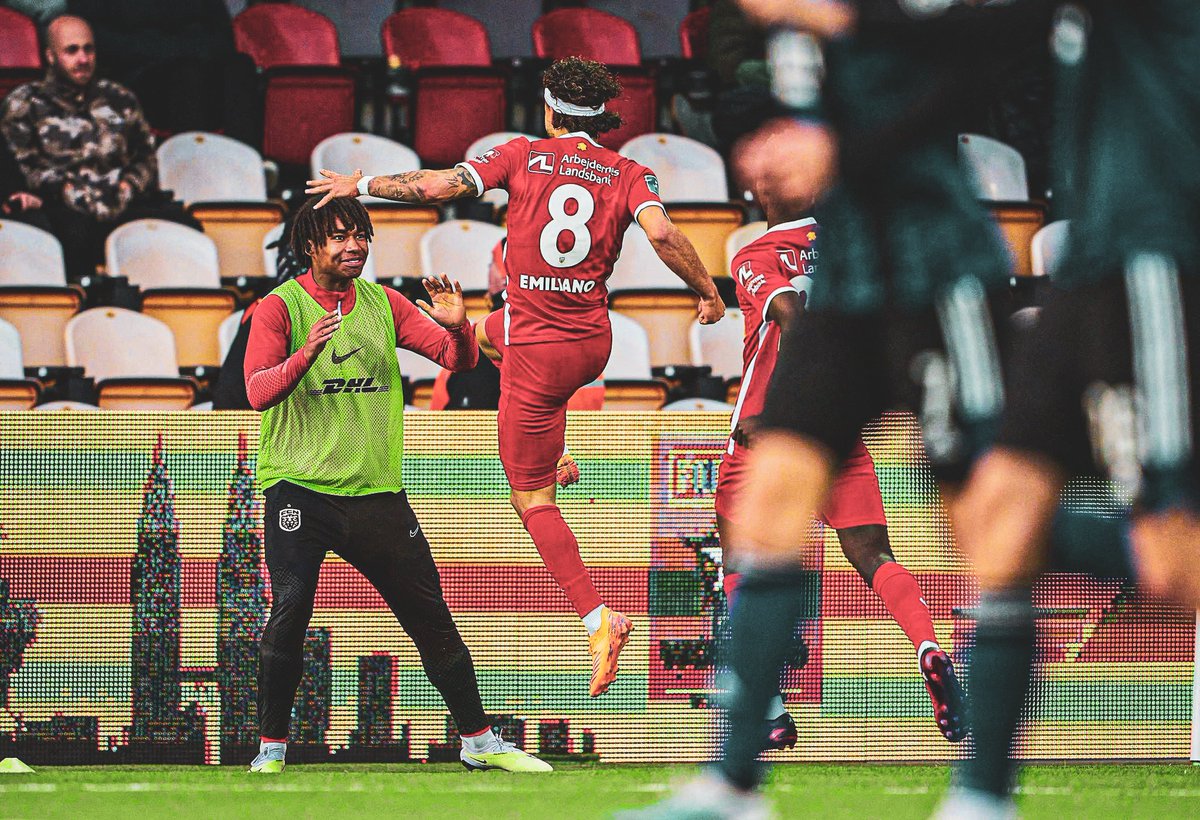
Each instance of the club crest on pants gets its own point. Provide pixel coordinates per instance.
(289, 519)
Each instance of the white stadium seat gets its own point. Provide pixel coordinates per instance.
(373, 155)
(996, 171)
(154, 253)
(687, 170)
(228, 331)
(461, 249)
(115, 343)
(630, 356)
(740, 238)
(30, 256)
(415, 367)
(1049, 246)
(34, 295)
(639, 268)
(202, 167)
(719, 345)
(12, 362)
(708, 405)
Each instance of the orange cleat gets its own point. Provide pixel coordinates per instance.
(605, 645)
(568, 471)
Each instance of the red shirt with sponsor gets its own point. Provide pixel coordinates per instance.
(780, 261)
(570, 201)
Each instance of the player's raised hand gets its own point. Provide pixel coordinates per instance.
(319, 334)
(334, 185)
(710, 309)
(447, 308)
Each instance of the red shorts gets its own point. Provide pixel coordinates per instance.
(536, 382)
(854, 500)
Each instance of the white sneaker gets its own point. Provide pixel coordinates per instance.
(706, 797)
(270, 758)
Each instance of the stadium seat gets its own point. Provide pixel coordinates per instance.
(458, 96)
(20, 56)
(645, 289)
(1048, 247)
(692, 181)
(612, 40)
(693, 34)
(65, 405)
(719, 345)
(462, 249)
(996, 173)
(740, 238)
(415, 367)
(373, 155)
(732, 388)
(131, 357)
(628, 384)
(228, 331)
(223, 182)
(705, 405)
(687, 170)
(396, 247)
(280, 34)
(422, 394)
(496, 197)
(34, 295)
(270, 255)
(16, 391)
(177, 270)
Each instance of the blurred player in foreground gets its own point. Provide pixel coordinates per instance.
(1108, 376)
(773, 276)
(321, 367)
(900, 317)
(570, 202)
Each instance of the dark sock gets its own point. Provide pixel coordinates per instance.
(453, 674)
(769, 602)
(1001, 664)
(1080, 542)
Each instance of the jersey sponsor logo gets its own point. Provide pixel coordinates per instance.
(750, 280)
(339, 359)
(652, 183)
(489, 154)
(289, 519)
(540, 163)
(796, 262)
(364, 384)
(588, 169)
(556, 284)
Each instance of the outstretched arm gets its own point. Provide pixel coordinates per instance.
(677, 253)
(412, 186)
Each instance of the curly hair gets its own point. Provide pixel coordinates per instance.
(316, 226)
(583, 82)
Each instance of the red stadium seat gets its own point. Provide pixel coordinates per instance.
(18, 41)
(588, 33)
(693, 34)
(278, 34)
(302, 106)
(426, 37)
(458, 96)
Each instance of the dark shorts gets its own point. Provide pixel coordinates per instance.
(837, 372)
(536, 382)
(1103, 382)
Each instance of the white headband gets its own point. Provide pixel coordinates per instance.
(570, 109)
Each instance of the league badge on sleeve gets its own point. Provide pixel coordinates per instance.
(289, 519)
(652, 183)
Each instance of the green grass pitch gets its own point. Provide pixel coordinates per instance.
(574, 791)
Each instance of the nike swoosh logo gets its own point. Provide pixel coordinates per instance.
(413, 534)
(339, 359)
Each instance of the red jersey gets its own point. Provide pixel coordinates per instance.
(780, 261)
(570, 201)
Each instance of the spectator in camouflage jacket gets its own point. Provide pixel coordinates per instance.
(84, 148)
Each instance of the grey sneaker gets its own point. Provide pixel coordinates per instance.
(270, 758)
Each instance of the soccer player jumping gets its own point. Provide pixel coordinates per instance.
(570, 201)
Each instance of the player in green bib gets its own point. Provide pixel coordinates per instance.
(321, 367)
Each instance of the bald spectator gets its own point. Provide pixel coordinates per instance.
(84, 149)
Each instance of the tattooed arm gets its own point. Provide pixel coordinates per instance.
(413, 186)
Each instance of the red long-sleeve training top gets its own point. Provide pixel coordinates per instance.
(271, 374)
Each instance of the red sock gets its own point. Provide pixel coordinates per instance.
(272, 739)
(730, 583)
(560, 553)
(903, 598)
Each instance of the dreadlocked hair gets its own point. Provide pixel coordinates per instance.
(313, 225)
(583, 82)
